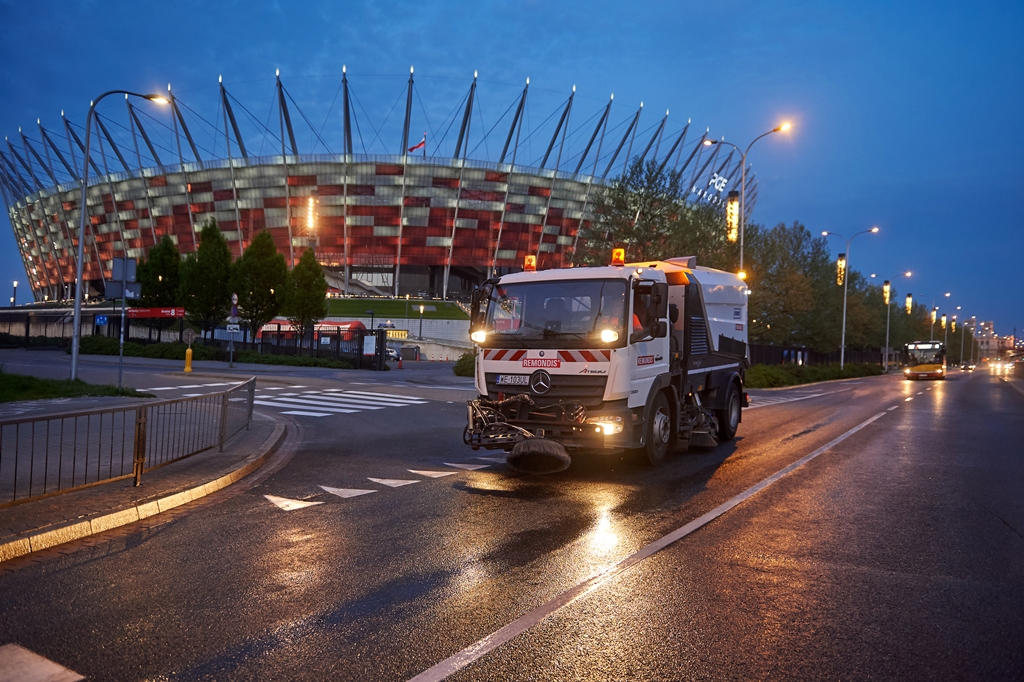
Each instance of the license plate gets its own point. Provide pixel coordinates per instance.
(513, 380)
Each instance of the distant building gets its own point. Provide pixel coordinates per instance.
(990, 344)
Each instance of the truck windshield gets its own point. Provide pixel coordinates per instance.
(564, 311)
(924, 354)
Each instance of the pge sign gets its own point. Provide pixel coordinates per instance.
(718, 182)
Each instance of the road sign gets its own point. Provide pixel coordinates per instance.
(233, 329)
(188, 336)
(101, 320)
(118, 268)
(132, 291)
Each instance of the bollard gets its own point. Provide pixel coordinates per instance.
(399, 362)
(188, 359)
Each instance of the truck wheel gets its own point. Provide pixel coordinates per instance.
(729, 418)
(659, 430)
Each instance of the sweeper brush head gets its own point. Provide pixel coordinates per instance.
(538, 456)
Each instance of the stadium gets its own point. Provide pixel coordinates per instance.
(432, 218)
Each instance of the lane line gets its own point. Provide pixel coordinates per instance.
(792, 400)
(482, 647)
(892, 408)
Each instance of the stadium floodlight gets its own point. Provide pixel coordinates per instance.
(76, 331)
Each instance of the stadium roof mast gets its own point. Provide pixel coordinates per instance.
(405, 161)
(516, 128)
(56, 197)
(39, 186)
(467, 120)
(138, 158)
(554, 173)
(175, 117)
(231, 166)
(347, 130)
(284, 118)
(602, 126)
(618, 149)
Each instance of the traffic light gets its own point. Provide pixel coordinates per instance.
(841, 269)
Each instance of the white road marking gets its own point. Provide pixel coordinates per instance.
(288, 504)
(892, 408)
(467, 467)
(311, 404)
(191, 386)
(432, 474)
(497, 460)
(484, 646)
(765, 401)
(192, 395)
(296, 387)
(386, 396)
(392, 482)
(273, 389)
(345, 402)
(920, 392)
(908, 399)
(161, 388)
(347, 492)
(18, 663)
(303, 413)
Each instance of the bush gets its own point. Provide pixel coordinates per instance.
(19, 341)
(465, 366)
(774, 376)
(255, 358)
(101, 345)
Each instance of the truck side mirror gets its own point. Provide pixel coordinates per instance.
(659, 329)
(474, 308)
(673, 313)
(659, 297)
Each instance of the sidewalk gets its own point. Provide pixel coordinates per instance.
(50, 521)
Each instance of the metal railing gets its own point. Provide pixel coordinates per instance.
(53, 454)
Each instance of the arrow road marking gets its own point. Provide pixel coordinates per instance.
(289, 504)
(347, 492)
(432, 474)
(392, 482)
(467, 467)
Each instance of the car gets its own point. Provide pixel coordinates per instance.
(391, 354)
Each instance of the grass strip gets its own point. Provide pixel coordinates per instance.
(15, 387)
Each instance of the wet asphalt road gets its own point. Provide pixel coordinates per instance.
(898, 553)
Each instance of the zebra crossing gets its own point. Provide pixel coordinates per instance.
(332, 401)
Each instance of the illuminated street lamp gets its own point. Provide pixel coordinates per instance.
(841, 270)
(845, 283)
(910, 303)
(935, 310)
(421, 320)
(14, 297)
(887, 297)
(743, 180)
(76, 331)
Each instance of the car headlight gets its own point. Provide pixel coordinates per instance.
(609, 425)
(609, 336)
(479, 336)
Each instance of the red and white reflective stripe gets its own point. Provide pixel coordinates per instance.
(504, 354)
(585, 355)
(511, 355)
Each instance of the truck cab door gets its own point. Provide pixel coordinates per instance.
(648, 339)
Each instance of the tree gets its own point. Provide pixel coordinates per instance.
(645, 212)
(159, 276)
(306, 298)
(204, 280)
(259, 278)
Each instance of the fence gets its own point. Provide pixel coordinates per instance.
(785, 355)
(55, 454)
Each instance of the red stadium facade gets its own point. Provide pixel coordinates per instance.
(379, 224)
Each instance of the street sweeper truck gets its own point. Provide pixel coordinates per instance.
(647, 357)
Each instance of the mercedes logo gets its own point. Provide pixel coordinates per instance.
(540, 382)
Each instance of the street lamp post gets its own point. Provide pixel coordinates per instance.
(743, 180)
(421, 321)
(14, 296)
(370, 313)
(935, 310)
(76, 332)
(846, 283)
(888, 307)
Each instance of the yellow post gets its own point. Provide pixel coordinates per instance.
(188, 359)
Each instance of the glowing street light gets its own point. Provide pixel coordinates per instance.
(76, 332)
(887, 297)
(14, 297)
(844, 281)
(910, 303)
(732, 216)
(743, 178)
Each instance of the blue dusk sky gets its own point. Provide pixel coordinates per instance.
(906, 115)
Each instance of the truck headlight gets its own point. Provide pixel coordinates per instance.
(609, 336)
(479, 336)
(609, 425)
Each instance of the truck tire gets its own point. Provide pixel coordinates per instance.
(729, 418)
(659, 430)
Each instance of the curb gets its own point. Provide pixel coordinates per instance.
(57, 536)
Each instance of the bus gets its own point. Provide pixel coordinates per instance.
(924, 359)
